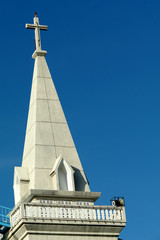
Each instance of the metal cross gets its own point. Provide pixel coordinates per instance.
(37, 29)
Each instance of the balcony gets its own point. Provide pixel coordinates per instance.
(90, 214)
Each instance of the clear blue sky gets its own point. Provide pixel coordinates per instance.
(104, 57)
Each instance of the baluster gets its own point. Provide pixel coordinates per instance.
(49, 212)
(53, 212)
(59, 212)
(107, 214)
(86, 213)
(27, 211)
(39, 211)
(118, 215)
(98, 214)
(43, 212)
(123, 215)
(35, 211)
(25, 214)
(78, 213)
(63, 212)
(114, 214)
(31, 211)
(69, 213)
(73, 213)
(94, 213)
(66, 212)
(102, 214)
(56, 212)
(89, 213)
(111, 214)
(82, 213)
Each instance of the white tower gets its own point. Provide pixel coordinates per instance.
(52, 196)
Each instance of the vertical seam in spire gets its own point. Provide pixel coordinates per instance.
(49, 109)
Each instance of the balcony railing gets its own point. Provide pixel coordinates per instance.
(70, 213)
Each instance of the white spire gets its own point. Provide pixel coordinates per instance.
(50, 159)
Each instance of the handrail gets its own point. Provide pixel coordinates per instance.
(5, 208)
(4, 219)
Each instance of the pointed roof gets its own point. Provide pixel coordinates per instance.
(47, 134)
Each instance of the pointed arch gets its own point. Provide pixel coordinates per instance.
(63, 173)
(62, 177)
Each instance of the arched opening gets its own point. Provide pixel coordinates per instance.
(62, 174)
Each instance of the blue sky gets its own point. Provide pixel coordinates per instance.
(104, 57)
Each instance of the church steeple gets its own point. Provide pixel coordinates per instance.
(52, 195)
(48, 141)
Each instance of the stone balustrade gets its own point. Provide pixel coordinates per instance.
(93, 213)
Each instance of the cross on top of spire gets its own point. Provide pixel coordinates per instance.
(37, 29)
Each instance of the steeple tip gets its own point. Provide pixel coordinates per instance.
(37, 27)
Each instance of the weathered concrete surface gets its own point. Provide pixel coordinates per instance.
(47, 229)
